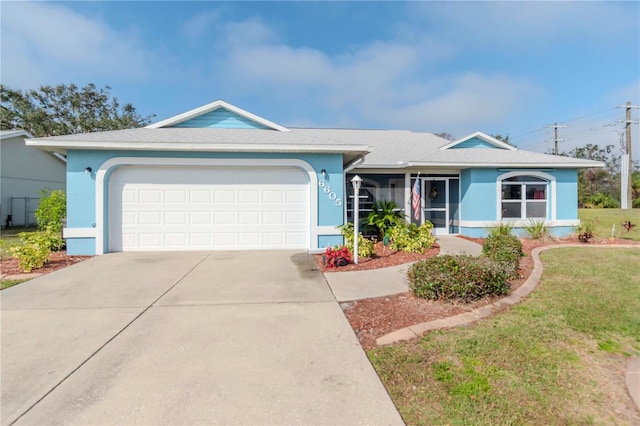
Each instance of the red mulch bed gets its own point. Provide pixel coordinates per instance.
(384, 257)
(57, 260)
(373, 318)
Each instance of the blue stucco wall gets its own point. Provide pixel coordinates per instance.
(478, 194)
(479, 199)
(567, 187)
(81, 189)
(221, 119)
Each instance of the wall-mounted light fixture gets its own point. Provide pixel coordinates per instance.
(87, 171)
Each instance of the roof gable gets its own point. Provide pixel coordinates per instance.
(478, 140)
(6, 134)
(218, 114)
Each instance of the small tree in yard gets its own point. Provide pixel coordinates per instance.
(52, 209)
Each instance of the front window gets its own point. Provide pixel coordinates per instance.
(524, 197)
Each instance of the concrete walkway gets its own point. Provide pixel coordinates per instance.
(357, 285)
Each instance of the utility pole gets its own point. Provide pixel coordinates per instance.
(555, 136)
(627, 162)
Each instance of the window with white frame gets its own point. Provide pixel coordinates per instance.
(524, 197)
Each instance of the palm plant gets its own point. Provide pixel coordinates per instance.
(384, 215)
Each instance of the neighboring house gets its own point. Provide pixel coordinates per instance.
(218, 177)
(24, 172)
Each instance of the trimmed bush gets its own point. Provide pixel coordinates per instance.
(411, 237)
(51, 210)
(506, 249)
(366, 248)
(458, 278)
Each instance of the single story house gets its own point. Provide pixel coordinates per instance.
(24, 172)
(221, 178)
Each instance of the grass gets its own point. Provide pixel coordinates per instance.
(553, 359)
(604, 219)
(10, 237)
(10, 283)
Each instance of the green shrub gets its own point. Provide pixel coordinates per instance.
(52, 209)
(537, 229)
(502, 228)
(34, 251)
(384, 215)
(601, 200)
(458, 278)
(411, 237)
(505, 249)
(366, 247)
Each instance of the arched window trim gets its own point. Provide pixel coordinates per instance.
(551, 193)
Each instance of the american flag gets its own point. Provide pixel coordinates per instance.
(415, 202)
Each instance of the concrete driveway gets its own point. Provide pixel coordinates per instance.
(185, 338)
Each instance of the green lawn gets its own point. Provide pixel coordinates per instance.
(556, 358)
(10, 283)
(604, 220)
(9, 237)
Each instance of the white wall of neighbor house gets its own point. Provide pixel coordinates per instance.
(24, 172)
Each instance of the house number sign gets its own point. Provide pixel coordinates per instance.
(327, 190)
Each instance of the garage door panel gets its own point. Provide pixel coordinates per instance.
(225, 218)
(175, 195)
(175, 218)
(200, 218)
(249, 218)
(149, 196)
(208, 208)
(222, 196)
(248, 196)
(200, 196)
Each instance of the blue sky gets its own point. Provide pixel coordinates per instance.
(458, 67)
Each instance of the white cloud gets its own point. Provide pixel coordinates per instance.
(44, 43)
(379, 84)
(198, 26)
(473, 102)
(534, 23)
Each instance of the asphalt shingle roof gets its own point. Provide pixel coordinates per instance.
(389, 148)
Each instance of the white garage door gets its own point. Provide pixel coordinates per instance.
(204, 208)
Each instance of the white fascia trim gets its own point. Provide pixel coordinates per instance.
(400, 171)
(6, 134)
(209, 147)
(59, 156)
(511, 166)
(551, 197)
(212, 107)
(79, 233)
(102, 184)
(518, 223)
(493, 141)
